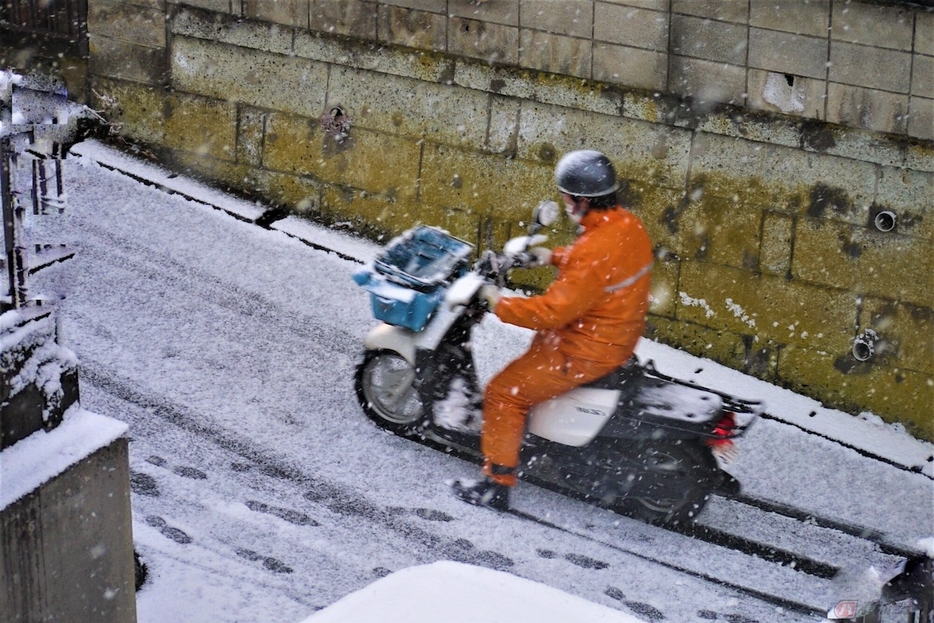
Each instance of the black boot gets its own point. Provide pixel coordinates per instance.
(483, 492)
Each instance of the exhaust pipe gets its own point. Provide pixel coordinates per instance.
(864, 346)
(885, 221)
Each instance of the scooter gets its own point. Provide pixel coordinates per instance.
(636, 441)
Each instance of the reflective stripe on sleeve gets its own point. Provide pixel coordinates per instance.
(625, 283)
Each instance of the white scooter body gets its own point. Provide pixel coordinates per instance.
(575, 417)
(572, 419)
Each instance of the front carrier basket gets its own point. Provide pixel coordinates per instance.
(407, 279)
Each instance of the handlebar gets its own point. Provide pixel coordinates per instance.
(526, 259)
(494, 266)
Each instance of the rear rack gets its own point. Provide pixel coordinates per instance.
(745, 410)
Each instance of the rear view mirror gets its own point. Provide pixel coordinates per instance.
(545, 213)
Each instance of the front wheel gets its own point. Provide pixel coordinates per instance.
(385, 385)
(680, 477)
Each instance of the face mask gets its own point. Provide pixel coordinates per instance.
(574, 213)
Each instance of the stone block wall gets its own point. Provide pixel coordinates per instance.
(859, 64)
(758, 146)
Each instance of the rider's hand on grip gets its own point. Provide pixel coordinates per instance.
(490, 295)
(516, 246)
(536, 256)
(541, 256)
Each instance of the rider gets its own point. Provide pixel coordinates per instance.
(586, 323)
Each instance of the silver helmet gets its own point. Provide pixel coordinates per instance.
(585, 173)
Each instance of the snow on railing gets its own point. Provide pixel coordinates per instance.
(39, 376)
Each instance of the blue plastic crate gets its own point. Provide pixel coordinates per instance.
(399, 305)
(423, 257)
(407, 280)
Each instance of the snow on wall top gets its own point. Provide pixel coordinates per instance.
(33, 461)
(28, 348)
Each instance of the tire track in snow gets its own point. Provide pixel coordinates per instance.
(335, 497)
(198, 285)
(343, 501)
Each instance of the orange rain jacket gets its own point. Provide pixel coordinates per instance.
(596, 307)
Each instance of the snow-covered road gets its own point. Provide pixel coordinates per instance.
(261, 493)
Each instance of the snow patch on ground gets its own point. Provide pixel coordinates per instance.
(157, 175)
(458, 593)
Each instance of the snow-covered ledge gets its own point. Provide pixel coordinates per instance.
(39, 380)
(32, 462)
(66, 542)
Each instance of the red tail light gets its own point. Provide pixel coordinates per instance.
(723, 431)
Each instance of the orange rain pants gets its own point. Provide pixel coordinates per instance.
(587, 324)
(540, 374)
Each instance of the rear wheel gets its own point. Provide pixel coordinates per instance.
(681, 477)
(385, 385)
